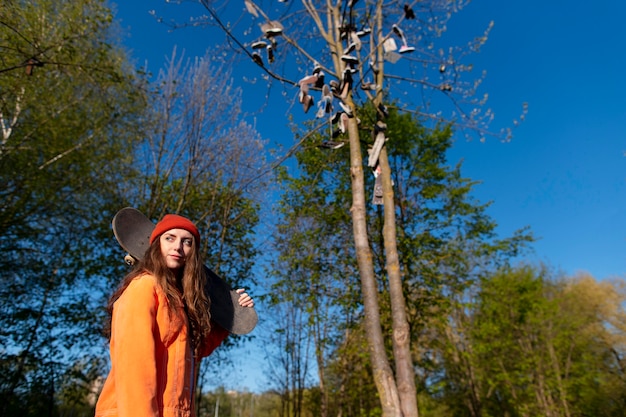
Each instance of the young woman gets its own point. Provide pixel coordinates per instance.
(161, 327)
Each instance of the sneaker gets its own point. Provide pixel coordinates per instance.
(346, 109)
(374, 152)
(257, 59)
(343, 122)
(326, 94)
(304, 91)
(320, 111)
(307, 103)
(397, 31)
(319, 83)
(363, 32)
(373, 67)
(331, 144)
(328, 107)
(271, 29)
(259, 45)
(408, 12)
(369, 86)
(251, 8)
(406, 49)
(383, 110)
(346, 87)
(346, 84)
(350, 59)
(270, 53)
(356, 41)
(347, 76)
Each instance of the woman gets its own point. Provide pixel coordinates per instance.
(161, 327)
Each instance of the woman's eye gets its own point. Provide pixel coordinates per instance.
(187, 242)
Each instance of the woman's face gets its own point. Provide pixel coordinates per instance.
(175, 247)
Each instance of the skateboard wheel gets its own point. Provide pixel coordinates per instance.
(129, 260)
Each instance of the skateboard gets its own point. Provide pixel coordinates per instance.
(132, 229)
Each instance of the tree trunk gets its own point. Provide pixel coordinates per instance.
(405, 374)
(383, 375)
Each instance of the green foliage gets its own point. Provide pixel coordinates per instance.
(446, 242)
(67, 132)
(533, 344)
(77, 135)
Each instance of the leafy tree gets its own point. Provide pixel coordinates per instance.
(77, 144)
(68, 107)
(446, 240)
(314, 273)
(544, 346)
(440, 226)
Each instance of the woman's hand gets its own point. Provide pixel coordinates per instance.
(244, 299)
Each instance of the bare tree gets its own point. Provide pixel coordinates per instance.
(289, 364)
(200, 157)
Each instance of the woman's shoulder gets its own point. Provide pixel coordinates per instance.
(143, 285)
(141, 299)
(144, 280)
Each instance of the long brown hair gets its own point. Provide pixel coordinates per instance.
(186, 289)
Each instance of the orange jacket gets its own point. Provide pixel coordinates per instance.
(152, 365)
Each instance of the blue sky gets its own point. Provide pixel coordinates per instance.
(563, 174)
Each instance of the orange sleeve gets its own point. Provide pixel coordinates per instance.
(215, 338)
(133, 353)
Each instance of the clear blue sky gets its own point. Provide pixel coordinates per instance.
(563, 174)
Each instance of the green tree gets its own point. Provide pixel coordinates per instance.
(439, 228)
(446, 239)
(314, 273)
(546, 346)
(68, 106)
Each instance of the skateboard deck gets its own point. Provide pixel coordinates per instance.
(132, 229)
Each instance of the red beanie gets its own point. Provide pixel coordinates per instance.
(174, 221)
